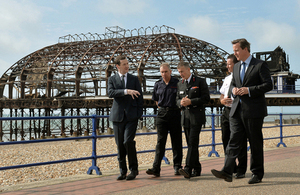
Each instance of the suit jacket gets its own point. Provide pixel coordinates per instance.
(198, 92)
(258, 79)
(124, 104)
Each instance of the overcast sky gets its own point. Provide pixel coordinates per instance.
(29, 25)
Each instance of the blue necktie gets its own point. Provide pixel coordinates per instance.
(242, 73)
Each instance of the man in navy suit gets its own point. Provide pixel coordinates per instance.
(127, 108)
(251, 80)
(226, 100)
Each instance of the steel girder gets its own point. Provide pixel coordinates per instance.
(81, 68)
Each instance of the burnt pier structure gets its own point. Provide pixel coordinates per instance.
(70, 78)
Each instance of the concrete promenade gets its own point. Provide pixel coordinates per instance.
(282, 176)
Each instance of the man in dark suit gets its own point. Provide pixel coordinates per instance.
(226, 100)
(251, 80)
(192, 94)
(127, 108)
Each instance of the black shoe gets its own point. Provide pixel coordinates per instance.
(195, 173)
(121, 177)
(176, 171)
(132, 175)
(239, 176)
(254, 179)
(221, 174)
(153, 172)
(185, 173)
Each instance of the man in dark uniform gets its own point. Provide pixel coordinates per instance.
(168, 119)
(192, 94)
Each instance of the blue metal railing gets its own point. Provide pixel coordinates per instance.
(94, 137)
(294, 89)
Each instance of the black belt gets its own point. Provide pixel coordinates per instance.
(169, 108)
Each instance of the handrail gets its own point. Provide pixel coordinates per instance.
(281, 89)
(94, 137)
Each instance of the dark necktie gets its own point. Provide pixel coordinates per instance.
(229, 92)
(123, 81)
(243, 67)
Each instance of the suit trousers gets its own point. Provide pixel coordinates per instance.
(252, 128)
(124, 135)
(168, 121)
(242, 157)
(192, 133)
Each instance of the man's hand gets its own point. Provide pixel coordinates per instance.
(185, 101)
(240, 91)
(133, 93)
(226, 101)
(234, 91)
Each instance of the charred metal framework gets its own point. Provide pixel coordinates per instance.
(80, 65)
(278, 63)
(70, 77)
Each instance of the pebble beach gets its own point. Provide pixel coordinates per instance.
(50, 151)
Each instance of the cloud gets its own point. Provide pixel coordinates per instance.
(268, 33)
(15, 15)
(203, 27)
(20, 24)
(10, 43)
(4, 66)
(18, 20)
(123, 7)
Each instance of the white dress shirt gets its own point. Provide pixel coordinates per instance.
(225, 87)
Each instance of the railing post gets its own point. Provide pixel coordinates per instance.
(166, 160)
(281, 136)
(94, 152)
(213, 143)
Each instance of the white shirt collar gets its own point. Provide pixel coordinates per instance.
(121, 74)
(189, 79)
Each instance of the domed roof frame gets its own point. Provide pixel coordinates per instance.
(79, 65)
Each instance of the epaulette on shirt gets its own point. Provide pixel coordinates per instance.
(160, 79)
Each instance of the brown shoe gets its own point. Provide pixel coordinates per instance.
(222, 175)
(185, 173)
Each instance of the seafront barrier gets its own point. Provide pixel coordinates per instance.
(42, 159)
(94, 138)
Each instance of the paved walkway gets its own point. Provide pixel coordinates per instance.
(282, 176)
